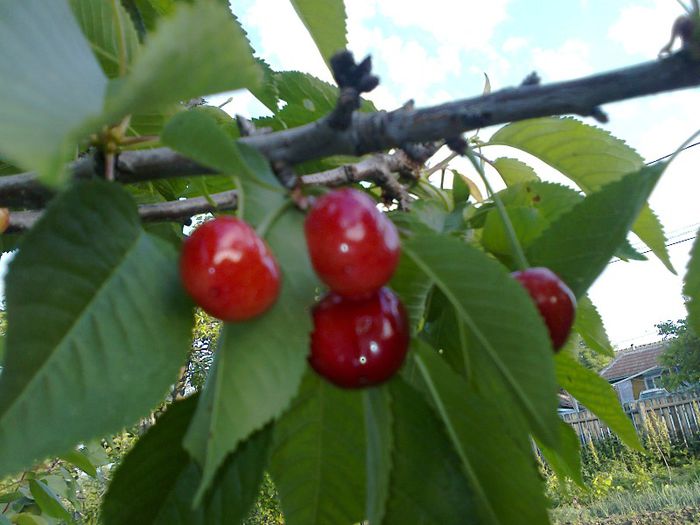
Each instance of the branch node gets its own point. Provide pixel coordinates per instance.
(533, 79)
(285, 174)
(420, 152)
(352, 79)
(457, 144)
(248, 129)
(599, 115)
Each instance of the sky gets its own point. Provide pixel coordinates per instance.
(439, 50)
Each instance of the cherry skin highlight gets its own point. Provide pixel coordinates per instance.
(228, 270)
(554, 300)
(354, 248)
(359, 342)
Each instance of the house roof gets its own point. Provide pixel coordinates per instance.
(633, 361)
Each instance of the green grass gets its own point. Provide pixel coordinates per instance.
(627, 503)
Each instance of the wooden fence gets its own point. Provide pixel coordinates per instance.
(679, 413)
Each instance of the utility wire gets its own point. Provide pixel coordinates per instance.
(671, 154)
(667, 245)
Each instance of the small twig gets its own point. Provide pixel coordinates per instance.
(460, 145)
(109, 166)
(442, 164)
(377, 168)
(225, 102)
(162, 211)
(21, 479)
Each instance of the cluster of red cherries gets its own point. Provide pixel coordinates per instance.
(361, 330)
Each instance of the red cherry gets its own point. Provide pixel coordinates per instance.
(553, 299)
(354, 248)
(359, 342)
(228, 270)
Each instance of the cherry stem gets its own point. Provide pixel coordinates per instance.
(518, 252)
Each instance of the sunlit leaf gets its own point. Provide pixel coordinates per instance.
(581, 242)
(325, 20)
(589, 326)
(597, 395)
(692, 288)
(589, 156)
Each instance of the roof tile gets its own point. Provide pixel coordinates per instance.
(633, 361)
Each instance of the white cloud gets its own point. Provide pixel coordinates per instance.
(571, 60)
(514, 43)
(411, 70)
(644, 29)
(284, 41)
(468, 24)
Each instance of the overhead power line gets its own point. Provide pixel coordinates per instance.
(667, 245)
(671, 154)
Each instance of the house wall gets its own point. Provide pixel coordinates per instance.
(625, 391)
(638, 385)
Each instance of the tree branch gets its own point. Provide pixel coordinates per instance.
(374, 132)
(378, 169)
(162, 211)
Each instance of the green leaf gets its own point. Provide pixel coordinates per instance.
(325, 21)
(157, 479)
(266, 92)
(550, 200)
(56, 84)
(589, 326)
(80, 460)
(8, 169)
(110, 31)
(29, 519)
(115, 325)
(148, 12)
(578, 246)
(258, 364)
(565, 462)
(48, 501)
(318, 458)
(412, 286)
(527, 225)
(497, 462)
(199, 135)
(9, 497)
(597, 395)
(514, 171)
(505, 330)
(532, 207)
(691, 288)
(198, 50)
(379, 428)
(426, 483)
(307, 99)
(448, 335)
(461, 189)
(589, 156)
